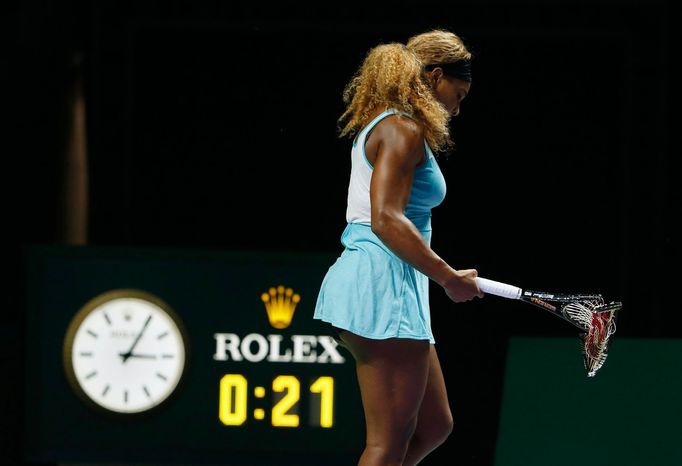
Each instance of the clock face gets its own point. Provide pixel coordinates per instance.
(125, 351)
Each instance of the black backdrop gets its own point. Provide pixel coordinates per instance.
(213, 125)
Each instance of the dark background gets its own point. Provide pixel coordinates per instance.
(213, 125)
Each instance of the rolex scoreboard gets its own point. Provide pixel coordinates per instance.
(184, 356)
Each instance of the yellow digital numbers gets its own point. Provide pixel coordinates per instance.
(233, 405)
(325, 387)
(292, 387)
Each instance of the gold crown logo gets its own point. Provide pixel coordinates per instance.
(280, 304)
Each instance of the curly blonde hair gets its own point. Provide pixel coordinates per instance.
(438, 46)
(392, 76)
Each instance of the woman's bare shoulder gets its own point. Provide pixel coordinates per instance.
(402, 133)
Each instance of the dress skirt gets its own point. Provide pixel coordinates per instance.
(371, 292)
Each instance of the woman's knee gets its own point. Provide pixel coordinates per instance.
(382, 454)
(436, 429)
(446, 425)
(391, 442)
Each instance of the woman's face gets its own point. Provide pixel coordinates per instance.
(449, 91)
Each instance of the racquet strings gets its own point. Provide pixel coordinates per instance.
(598, 322)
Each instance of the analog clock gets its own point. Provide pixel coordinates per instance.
(125, 352)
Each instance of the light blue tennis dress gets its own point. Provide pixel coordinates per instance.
(369, 291)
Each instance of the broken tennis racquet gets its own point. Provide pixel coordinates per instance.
(588, 312)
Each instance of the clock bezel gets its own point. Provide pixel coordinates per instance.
(90, 307)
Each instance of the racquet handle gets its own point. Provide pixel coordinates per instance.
(498, 288)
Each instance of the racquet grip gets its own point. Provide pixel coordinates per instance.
(498, 288)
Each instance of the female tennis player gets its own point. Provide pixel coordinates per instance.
(376, 294)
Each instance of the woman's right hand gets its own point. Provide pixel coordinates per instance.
(462, 286)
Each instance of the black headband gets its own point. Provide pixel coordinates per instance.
(460, 69)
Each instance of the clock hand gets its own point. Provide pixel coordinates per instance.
(129, 353)
(137, 355)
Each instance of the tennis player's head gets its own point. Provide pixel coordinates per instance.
(427, 78)
(447, 65)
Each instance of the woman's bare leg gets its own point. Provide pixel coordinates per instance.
(434, 423)
(392, 375)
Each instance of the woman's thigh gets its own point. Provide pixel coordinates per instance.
(392, 375)
(434, 413)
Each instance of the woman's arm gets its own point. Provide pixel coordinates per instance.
(400, 149)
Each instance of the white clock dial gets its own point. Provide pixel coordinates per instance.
(125, 351)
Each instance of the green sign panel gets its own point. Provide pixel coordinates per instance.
(629, 414)
(185, 356)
